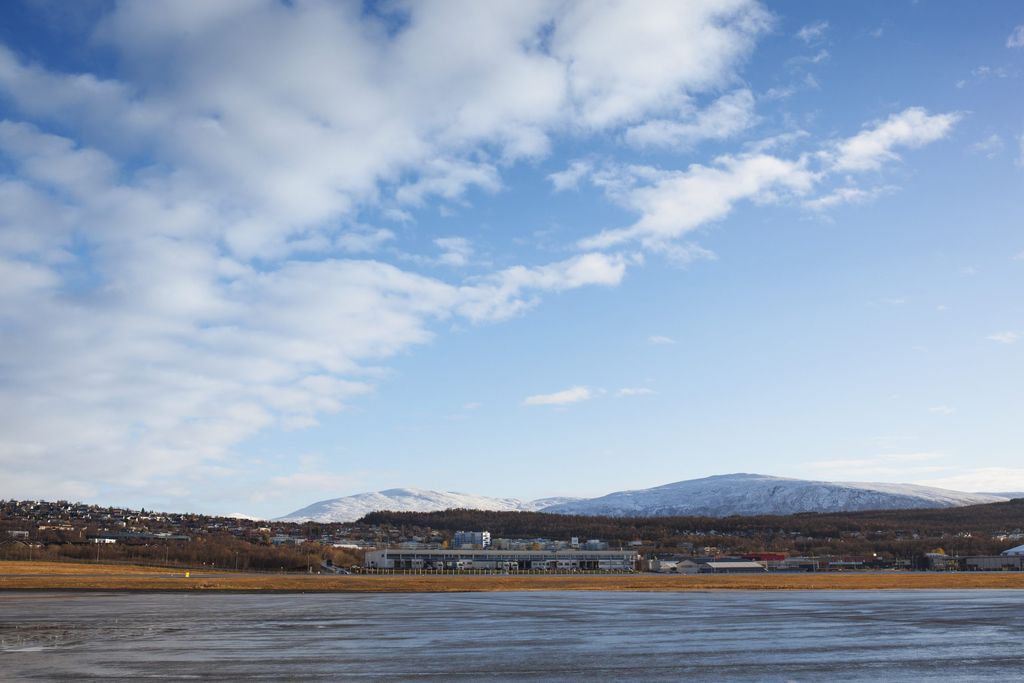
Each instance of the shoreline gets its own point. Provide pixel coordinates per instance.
(45, 576)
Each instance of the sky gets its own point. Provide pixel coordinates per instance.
(255, 253)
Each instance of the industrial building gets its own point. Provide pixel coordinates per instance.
(503, 560)
(732, 567)
(994, 563)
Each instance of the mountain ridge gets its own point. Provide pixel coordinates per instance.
(716, 496)
(758, 494)
(351, 508)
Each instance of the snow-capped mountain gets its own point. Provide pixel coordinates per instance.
(351, 508)
(242, 515)
(720, 496)
(758, 494)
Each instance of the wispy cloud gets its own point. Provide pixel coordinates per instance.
(561, 398)
(1016, 37)
(846, 195)
(813, 33)
(569, 179)
(672, 203)
(941, 410)
(990, 147)
(913, 127)
(635, 391)
(660, 340)
(1007, 337)
(986, 479)
(455, 251)
(887, 466)
(724, 118)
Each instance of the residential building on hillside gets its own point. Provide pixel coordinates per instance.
(471, 539)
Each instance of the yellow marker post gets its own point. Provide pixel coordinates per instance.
(188, 574)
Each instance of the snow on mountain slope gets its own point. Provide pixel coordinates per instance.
(242, 515)
(721, 496)
(351, 508)
(543, 503)
(756, 494)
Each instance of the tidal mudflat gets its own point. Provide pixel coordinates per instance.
(728, 635)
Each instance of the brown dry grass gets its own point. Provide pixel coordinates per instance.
(21, 568)
(61, 576)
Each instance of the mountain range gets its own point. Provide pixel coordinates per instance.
(717, 496)
(351, 508)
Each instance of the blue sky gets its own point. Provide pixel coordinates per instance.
(257, 254)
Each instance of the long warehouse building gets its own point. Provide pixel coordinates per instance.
(505, 560)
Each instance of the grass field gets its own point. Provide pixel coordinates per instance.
(66, 576)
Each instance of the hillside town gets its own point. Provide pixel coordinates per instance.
(382, 543)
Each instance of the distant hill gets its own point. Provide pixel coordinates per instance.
(758, 494)
(719, 496)
(351, 508)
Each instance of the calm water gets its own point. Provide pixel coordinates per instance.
(784, 636)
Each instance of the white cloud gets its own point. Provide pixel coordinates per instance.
(569, 179)
(990, 147)
(941, 410)
(363, 240)
(448, 179)
(672, 203)
(560, 398)
(159, 301)
(724, 118)
(634, 391)
(818, 57)
(884, 466)
(813, 33)
(845, 195)
(985, 72)
(1020, 150)
(1016, 37)
(1008, 337)
(160, 305)
(455, 76)
(872, 147)
(660, 339)
(623, 63)
(509, 292)
(456, 251)
(181, 351)
(781, 140)
(310, 483)
(985, 479)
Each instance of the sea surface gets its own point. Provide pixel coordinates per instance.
(735, 636)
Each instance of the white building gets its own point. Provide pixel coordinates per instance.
(502, 560)
(1019, 550)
